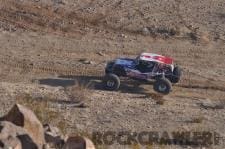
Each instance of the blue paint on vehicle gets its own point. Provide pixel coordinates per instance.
(126, 63)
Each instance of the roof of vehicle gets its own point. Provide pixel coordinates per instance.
(156, 58)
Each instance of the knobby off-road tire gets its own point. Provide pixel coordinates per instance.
(162, 86)
(111, 82)
(177, 72)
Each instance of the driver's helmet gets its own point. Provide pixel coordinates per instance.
(148, 64)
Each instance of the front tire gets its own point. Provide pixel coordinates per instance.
(162, 85)
(111, 82)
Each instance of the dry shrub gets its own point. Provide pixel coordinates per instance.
(219, 97)
(136, 146)
(199, 119)
(193, 36)
(149, 146)
(158, 98)
(80, 91)
(39, 107)
(221, 104)
(160, 101)
(202, 37)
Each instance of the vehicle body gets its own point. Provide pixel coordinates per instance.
(147, 66)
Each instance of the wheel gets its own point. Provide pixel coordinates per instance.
(111, 82)
(175, 78)
(162, 85)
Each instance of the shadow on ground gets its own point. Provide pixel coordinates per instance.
(57, 82)
(95, 82)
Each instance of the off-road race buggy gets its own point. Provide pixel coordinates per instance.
(146, 67)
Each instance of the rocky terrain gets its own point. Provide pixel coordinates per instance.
(53, 53)
(21, 129)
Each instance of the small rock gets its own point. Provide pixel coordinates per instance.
(100, 53)
(208, 104)
(52, 129)
(59, 2)
(85, 61)
(145, 31)
(123, 35)
(186, 128)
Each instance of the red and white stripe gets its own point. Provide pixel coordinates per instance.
(156, 58)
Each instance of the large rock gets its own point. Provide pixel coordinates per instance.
(9, 129)
(10, 142)
(12, 136)
(25, 118)
(78, 142)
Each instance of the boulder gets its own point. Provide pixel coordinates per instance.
(89, 144)
(27, 142)
(25, 118)
(10, 142)
(12, 136)
(9, 129)
(53, 136)
(78, 142)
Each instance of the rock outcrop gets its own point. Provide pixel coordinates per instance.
(25, 118)
(21, 129)
(12, 136)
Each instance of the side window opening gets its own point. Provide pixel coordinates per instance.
(145, 66)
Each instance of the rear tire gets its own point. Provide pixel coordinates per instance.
(162, 85)
(175, 78)
(111, 82)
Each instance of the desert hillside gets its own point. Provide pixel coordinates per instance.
(53, 54)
